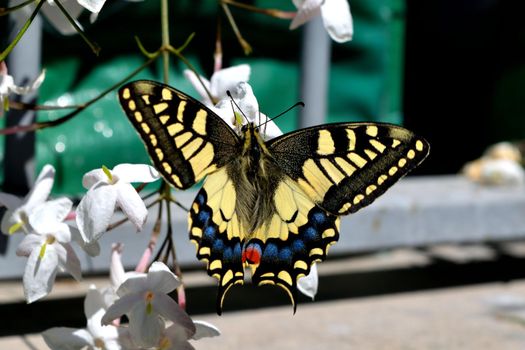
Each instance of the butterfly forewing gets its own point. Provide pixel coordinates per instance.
(185, 140)
(344, 167)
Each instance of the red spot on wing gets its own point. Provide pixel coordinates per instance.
(251, 254)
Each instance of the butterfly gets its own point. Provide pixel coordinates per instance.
(271, 206)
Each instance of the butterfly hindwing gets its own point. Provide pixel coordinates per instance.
(185, 140)
(298, 234)
(214, 227)
(346, 166)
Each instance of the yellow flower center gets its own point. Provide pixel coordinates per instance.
(99, 343)
(149, 297)
(50, 239)
(18, 225)
(108, 173)
(164, 343)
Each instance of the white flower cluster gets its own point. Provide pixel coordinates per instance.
(155, 320)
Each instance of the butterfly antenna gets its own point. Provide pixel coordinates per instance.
(282, 113)
(239, 108)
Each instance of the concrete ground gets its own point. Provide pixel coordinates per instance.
(487, 316)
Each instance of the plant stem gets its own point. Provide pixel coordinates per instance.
(164, 20)
(269, 12)
(7, 10)
(93, 45)
(22, 31)
(245, 45)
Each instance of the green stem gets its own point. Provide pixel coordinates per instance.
(245, 45)
(268, 12)
(93, 45)
(7, 10)
(22, 31)
(164, 20)
(192, 68)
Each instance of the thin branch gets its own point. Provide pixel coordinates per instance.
(244, 44)
(7, 10)
(269, 12)
(93, 45)
(67, 117)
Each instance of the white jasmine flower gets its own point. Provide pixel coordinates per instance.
(144, 299)
(243, 96)
(94, 336)
(336, 15)
(74, 8)
(233, 79)
(8, 86)
(109, 189)
(18, 210)
(48, 249)
(220, 82)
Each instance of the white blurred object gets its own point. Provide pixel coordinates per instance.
(499, 165)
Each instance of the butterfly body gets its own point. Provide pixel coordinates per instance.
(270, 206)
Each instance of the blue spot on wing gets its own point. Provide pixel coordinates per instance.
(310, 234)
(285, 255)
(298, 246)
(200, 199)
(204, 216)
(218, 246)
(318, 218)
(270, 252)
(210, 232)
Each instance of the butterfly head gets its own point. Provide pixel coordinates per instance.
(253, 142)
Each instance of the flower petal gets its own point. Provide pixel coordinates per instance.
(46, 217)
(122, 306)
(11, 220)
(205, 330)
(93, 302)
(68, 260)
(136, 283)
(161, 279)
(41, 189)
(270, 129)
(337, 20)
(167, 307)
(92, 5)
(308, 284)
(117, 275)
(65, 338)
(192, 78)
(135, 173)
(247, 101)
(95, 211)
(22, 90)
(28, 244)
(131, 204)
(93, 177)
(92, 248)
(227, 79)
(306, 10)
(145, 328)
(178, 337)
(10, 201)
(39, 274)
(57, 18)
